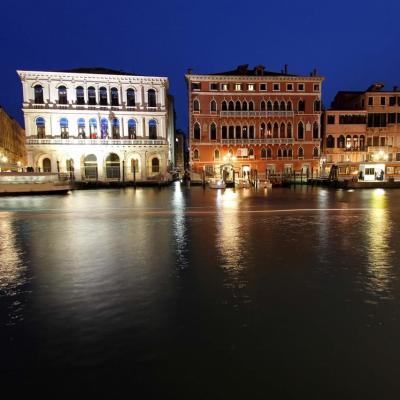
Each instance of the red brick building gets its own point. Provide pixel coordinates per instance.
(249, 120)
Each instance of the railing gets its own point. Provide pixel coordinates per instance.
(75, 106)
(73, 141)
(257, 113)
(258, 141)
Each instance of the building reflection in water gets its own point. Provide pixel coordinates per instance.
(378, 235)
(179, 230)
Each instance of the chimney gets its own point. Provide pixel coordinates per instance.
(286, 69)
(190, 71)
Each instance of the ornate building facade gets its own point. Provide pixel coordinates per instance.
(98, 124)
(252, 119)
(362, 134)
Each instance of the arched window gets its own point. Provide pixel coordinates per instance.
(251, 132)
(362, 142)
(315, 131)
(213, 132)
(355, 142)
(244, 132)
(262, 106)
(231, 106)
(279, 153)
(231, 132)
(262, 130)
(152, 129)
(80, 95)
(103, 96)
(316, 152)
(113, 166)
(62, 95)
(282, 130)
(93, 128)
(340, 142)
(251, 152)
(40, 128)
(284, 152)
(300, 131)
(251, 106)
(238, 130)
(289, 106)
(269, 130)
(283, 106)
(196, 131)
(132, 129)
(64, 128)
(81, 128)
(237, 106)
(276, 106)
(195, 154)
(114, 97)
(224, 132)
(38, 90)
(330, 142)
(155, 165)
(276, 130)
(263, 153)
(115, 128)
(269, 152)
(70, 166)
(300, 152)
(104, 128)
(91, 96)
(269, 106)
(196, 105)
(224, 106)
(46, 165)
(244, 106)
(290, 152)
(289, 130)
(130, 98)
(90, 167)
(213, 106)
(317, 105)
(301, 105)
(151, 98)
(348, 141)
(216, 154)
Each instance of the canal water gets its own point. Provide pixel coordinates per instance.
(210, 294)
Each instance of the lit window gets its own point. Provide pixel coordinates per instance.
(238, 86)
(224, 86)
(251, 87)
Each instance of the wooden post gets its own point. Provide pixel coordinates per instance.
(123, 171)
(134, 173)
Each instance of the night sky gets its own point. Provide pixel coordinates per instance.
(351, 43)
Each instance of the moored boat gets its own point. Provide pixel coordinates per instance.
(216, 184)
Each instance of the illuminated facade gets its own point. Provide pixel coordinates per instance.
(254, 120)
(362, 134)
(98, 124)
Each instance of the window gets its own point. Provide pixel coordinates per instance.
(289, 130)
(263, 86)
(316, 152)
(62, 95)
(282, 130)
(231, 132)
(279, 154)
(300, 131)
(269, 106)
(114, 97)
(64, 128)
(81, 128)
(290, 152)
(213, 132)
(263, 153)
(196, 86)
(130, 98)
(362, 142)
(315, 131)
(216, 154)
(152, 129)
(213, 106)
(317, 105)
(93, 128)
(251, 153)
(391, 118)
(38, 90)
(392, 101)
(238, 131)
(238, 86)
(269, 130)
(251, 87)
(104, 128)
(224, 87)
(196, 131)
(46, 165)
(377, 120)
(331, 119)
(244, 132)
(244, 106)
(40, 128)
(195, 154)
(340, 142)
(132, 129)
(276, 87)
(262, 130)
(251, 106)
(262, 106)
(300, 87)
(301, 106)
(135, 166)
(237, 106)
(115, 128)
(269, 152)
(383, 101)
(316, 87)
(90, 166)
(80, 95)
(213, 86)
(103, 96)
(276, 130)
(330, 142)
(224, 132)
(289, 87)
(276, 106)
(289, 106)
(283, 106)
(251, 132)
(231, 106)
(155, 165)
(300, 152)
(370, 101)
(196, 106)
(151, 98)
(91, 96)
(224, 106)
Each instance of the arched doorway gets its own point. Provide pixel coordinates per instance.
(155, 166)
(46, 165)
(113, 166)
(90, 167)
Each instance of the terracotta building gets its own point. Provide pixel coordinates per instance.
(12, 142)
(251, 119)
(362, 134)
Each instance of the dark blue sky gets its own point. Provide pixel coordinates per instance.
(351, 43)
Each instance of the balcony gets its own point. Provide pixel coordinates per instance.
(257, 114)
(257, 141)
(74, 141)
(98, 107)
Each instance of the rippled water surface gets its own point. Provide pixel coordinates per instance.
(192, 293)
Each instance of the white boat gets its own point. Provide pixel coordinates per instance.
(264, 184)
(243, 183)
(216, 184)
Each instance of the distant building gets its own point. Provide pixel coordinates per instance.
(362, 134)
(180, 150)
(253, 119)
(97, 124)
(12, 142)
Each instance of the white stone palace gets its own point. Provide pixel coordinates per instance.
(98, 124)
